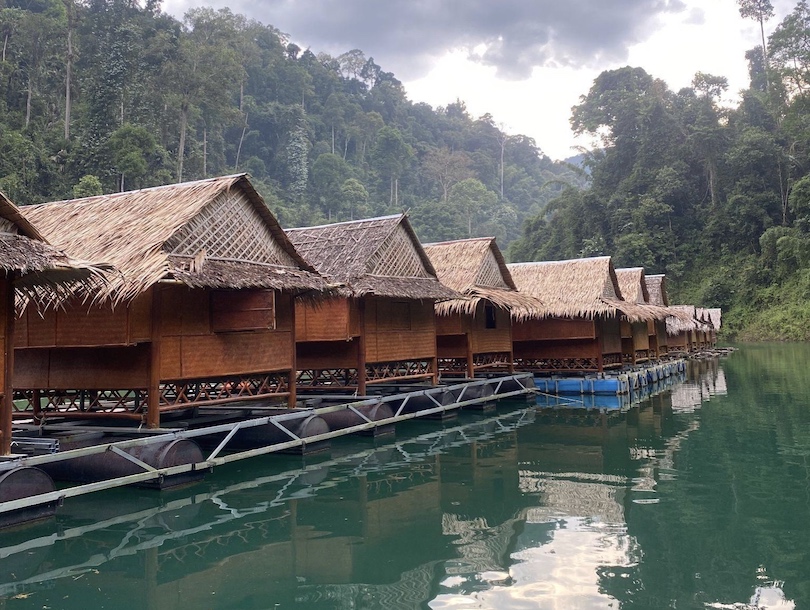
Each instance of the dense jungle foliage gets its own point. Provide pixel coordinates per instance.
(106, 95)
(716, 197)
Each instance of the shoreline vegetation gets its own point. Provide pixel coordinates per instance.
(105, 96)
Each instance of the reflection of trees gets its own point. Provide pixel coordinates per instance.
(733, 512)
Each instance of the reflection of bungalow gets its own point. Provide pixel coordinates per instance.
(41, 274)
(203, 304)
(706, 328)
(636, 340)
(716, 316)
(384, 328)
(582, 305)
(682, 328)
(474, 333)
(657, 329)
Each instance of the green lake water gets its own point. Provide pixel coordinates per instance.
(699, 497)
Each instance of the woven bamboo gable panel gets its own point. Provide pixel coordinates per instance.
(230, 228)
(6, 226)
(609, 290)
(397, 257)
(490, 273)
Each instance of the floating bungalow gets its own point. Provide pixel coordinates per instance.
(682, 328)
(716, 316)
(637, 346)
(198, 312)
(382, 329)
(37, 273)
(657, 328)
(578, 328)
(474, 332)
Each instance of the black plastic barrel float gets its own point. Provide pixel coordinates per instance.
(110, 465)
(25, 482)
(305, 426)
(514, 384)
(419, 403)
(346, 418)
(481, 391)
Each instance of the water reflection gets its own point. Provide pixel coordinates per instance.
(694, 498)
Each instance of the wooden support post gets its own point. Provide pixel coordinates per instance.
(600, 362)
(294, 366)
(470, 355)
(8, 366)
(361, 348)
(153, 395)
(36, 399)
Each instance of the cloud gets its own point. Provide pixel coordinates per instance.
(514, 36)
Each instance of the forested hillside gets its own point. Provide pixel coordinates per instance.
(717, 198)
(106, 95)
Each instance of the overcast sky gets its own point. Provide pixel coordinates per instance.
(526, 62)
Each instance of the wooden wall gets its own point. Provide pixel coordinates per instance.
(331, 320)
(327, 354)
(81, 325)
(558, 348)
(399, 330)
(553, 328)
(191, 349)
(451, 333)
(488, 340)
(66, 349)
(6, 286)
(452, 325)
(82, 368)
(610, 331)
(641, 338)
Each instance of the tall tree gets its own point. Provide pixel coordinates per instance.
(761, 11)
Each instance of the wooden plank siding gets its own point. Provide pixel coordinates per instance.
(81, 325)
(331, 320)
(398, 330)
(195, 334)
(7, 315)
(554, 328)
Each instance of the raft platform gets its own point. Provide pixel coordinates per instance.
(95, 457)
(618, 383)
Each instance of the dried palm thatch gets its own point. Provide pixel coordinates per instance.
(657, 289)
(476, 269)
(43, 274)
(716, 315)
(214, 233)
(377, 256)
(634, 290)
(578, 288)
(682, 318)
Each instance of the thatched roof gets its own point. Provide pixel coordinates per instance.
(684, 318)
(380, 256)
(634, 290)
(657, 289)
(45, 274)
(577, 288)
(716, 315)
(476, 269)
(214, 233)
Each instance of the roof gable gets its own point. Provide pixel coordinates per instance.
(657, 289)
(632, 285)
(230, 228)
(380, 256)
(137, 231)
(465, 263)
(584, 287)
(397, 256)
